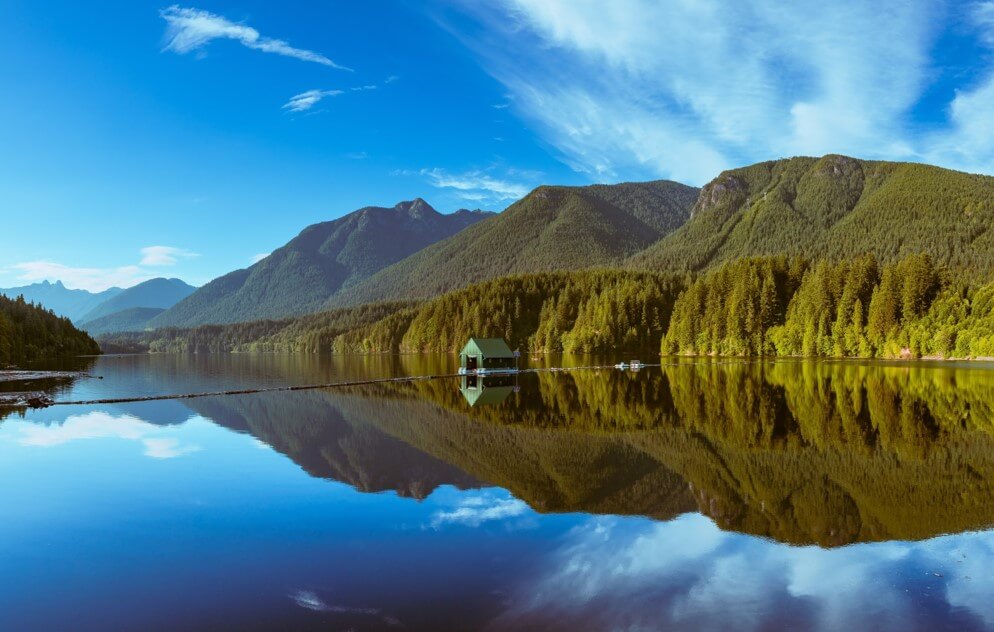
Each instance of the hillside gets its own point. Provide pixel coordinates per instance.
(30, 332)
(835, 207)
(299, 277)
(155, 293)
(72, 304)
(552, 228)
(131, 319)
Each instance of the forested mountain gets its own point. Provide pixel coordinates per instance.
(131, 319)
(305, 334)
(72, 304)
(155, 293)
(324, 258)
(836, 207)
(552, 228)
(29, 332)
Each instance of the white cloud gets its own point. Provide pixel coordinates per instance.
(638, 88)
(306, 100)
(164, 255)
(99, 279)
(167, 448)
(473, 511)
(92, 279)
(192, 29)
(102, 425)
(259, 257)
(476, 185)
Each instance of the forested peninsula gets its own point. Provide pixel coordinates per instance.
(30, 332)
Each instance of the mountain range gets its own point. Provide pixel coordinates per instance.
(831, 207)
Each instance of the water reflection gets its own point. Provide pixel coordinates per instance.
(487, 390)
(574, 501)
(825, 453)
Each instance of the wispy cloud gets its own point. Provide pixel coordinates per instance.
(635, 88)
(92, 279)
(192, 29)
(164, 255)
(306, 100)
(310, 600)
(259, 257)
(476, 185)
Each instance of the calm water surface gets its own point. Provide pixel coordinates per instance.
(700, 495)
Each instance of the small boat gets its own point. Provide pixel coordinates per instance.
(635, 365)
(621, 365)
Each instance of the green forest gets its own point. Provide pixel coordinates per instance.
(29, 332)
(857, 308)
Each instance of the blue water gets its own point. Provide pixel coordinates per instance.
(160, 516)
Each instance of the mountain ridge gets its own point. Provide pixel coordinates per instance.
(56, 297)
(551, 228)
(298, 277)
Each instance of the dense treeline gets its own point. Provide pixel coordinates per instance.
(773, 306)
(854, 308)
(29, 332)
(307, 334)
(572, 312)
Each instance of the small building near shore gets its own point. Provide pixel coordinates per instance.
(488, 354)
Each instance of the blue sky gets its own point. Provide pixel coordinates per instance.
(145, 139)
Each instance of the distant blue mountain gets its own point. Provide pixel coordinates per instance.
(72, 304)
(155, 293)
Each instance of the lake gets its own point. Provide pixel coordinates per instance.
(703, 494)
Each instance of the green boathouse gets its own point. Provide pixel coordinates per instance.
(487, 353)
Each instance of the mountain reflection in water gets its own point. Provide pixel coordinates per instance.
(824, 453)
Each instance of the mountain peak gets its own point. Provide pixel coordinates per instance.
(416, 208)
